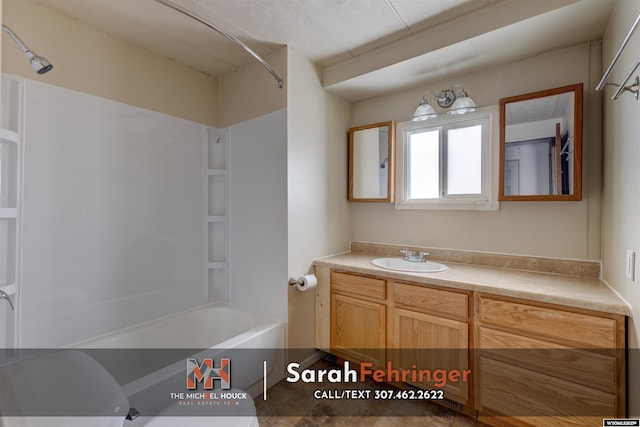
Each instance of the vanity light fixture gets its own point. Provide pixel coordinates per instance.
(425, 110)
(460, 103)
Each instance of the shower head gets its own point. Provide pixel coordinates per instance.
(39, 64)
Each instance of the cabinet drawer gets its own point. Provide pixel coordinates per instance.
(561, 326)
(449, 304)
(588, 368)
(513, 391)
(358, 285)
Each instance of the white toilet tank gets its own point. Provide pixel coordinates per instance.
(68, 388)
(60, 388)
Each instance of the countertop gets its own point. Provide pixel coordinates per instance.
(572, 291)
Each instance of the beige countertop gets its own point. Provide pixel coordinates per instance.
(573, 291)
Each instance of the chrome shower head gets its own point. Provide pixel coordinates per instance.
(39, 64)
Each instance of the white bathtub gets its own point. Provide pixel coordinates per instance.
(157, 363)
(206, 326)
(148, 362)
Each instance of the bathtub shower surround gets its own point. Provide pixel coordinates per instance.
(120, 220)
(121, 215)
(111, 226)
(120, 227)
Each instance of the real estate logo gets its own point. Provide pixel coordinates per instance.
(205, 372)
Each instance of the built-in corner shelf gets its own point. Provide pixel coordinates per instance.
(214, 265)
(9, 135)
(6, 213)
(217, 220)
(10, 204)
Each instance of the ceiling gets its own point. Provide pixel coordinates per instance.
(365, 47)
(539, 109)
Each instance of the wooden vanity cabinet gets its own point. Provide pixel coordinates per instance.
(527, 359)
(358, 318)
(536, 359)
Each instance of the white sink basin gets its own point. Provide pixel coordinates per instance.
(400, 264)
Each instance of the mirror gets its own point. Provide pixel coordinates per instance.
(371, 150)
(541, 145)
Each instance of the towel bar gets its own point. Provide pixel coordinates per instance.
(617, 56)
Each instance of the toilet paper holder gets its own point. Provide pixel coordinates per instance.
(304, 283)
(293, 281)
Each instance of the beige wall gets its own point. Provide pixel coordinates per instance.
(555, 229)
(252, 91)
(91, 61)
(318, 211)
(621, 200)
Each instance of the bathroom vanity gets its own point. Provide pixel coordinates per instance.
(539, 344)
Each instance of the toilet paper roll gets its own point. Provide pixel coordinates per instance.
(306, 282)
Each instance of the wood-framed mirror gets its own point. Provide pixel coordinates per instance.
(541, 145)
(371, 162)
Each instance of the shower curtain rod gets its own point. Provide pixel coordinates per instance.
(228, 36)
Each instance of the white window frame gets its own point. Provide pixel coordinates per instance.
(488, 199)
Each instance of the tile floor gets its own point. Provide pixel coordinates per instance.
(294, 405)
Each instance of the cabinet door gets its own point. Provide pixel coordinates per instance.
(358, 329)
(431, 342)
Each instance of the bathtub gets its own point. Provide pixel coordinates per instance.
(149, 360)
(209, 325)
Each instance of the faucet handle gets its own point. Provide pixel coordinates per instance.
(407, 253)
(5, 296)
(422, 256)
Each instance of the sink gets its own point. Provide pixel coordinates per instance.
(400, 264)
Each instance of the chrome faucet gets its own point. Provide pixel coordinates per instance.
(414, 256)
(3, 295)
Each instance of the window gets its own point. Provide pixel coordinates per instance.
(446, 163)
